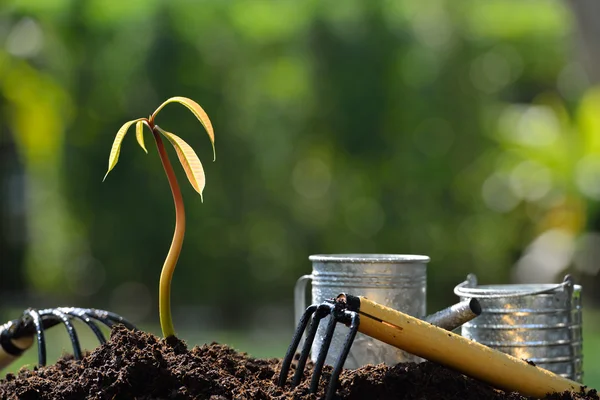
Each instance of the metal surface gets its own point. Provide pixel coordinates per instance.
(454, 316)
(538, 322)
(337, 310)
(395, 281)
(18, 335)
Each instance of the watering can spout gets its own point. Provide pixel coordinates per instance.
(456, 315)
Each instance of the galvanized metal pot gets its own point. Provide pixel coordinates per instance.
(396, 281)
(538, 322)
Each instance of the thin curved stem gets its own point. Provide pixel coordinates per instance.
(164, 293)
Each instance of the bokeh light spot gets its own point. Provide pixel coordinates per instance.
(25, 39)
(497, 195)
(311, 178)
(530, 181)
(587, 176)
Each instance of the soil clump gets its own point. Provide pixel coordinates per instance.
(138, 365)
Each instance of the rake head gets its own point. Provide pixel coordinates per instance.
(342, 310)
(34, 322)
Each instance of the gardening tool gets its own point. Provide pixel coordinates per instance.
(17, 335)
(539, 322)
(343, 312)
(398, 281)
(417, 337)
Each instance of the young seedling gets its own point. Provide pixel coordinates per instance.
(195, 174)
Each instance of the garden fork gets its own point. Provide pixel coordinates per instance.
(17, 335)
(418, 337)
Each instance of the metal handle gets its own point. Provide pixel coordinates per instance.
(456, 315)
(300, 297)
(481, 293)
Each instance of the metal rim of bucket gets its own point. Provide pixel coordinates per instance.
(463, 290)
(369, 258)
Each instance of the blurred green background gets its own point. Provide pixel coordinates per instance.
(468, 131)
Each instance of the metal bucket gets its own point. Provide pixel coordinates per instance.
(396, 281)
(537, 322)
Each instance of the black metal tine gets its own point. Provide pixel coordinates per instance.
(39, 331)
(335, 375)
(83, 317)
(314, 383)
(104, 320)
(323, 310)
(25, 326)
(70, 331)
(109, 318)
(116, 318)
(99, 316)
(37, 321)
(289, 356)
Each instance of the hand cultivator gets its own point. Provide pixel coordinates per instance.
(419, 337)
(17, 335)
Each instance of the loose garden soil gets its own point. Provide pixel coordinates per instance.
(138, 365)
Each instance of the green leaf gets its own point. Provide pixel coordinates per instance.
(198, 112)
(139, 134)
(189, 161)
(116, 147)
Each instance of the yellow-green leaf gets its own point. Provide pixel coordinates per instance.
(139, 134)
(189, 161)
(198, 112)
(116, 147)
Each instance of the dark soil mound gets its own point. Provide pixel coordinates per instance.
(137, 365)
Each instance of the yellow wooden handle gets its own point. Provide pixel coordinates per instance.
(466, 356)
(22, 343)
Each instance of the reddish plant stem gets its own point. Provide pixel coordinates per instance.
(164, 293)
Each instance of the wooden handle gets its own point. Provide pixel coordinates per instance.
(22, 343)
(466, 356)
